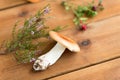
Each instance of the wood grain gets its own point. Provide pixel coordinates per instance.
(102, 38)
(106, 71)
(59, 16)
(9, 3)
(104, 44)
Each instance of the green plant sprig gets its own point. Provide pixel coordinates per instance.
(22, 42)
(83, 12)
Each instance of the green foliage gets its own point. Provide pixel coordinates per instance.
(66, 5)
(82, 12)
(59, 28)
(24, 56)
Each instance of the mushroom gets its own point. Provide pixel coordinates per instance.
(48, 59)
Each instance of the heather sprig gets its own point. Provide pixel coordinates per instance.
(23, 42)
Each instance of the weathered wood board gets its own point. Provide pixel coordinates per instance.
(103, 35)
(104, 44)
(106, 71)
(60, 16)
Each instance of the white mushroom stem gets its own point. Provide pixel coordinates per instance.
(49, 58)
(54, 54)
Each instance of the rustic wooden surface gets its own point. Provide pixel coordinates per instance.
(102, 51)
(106, 71)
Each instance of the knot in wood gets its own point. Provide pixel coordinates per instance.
(85, 42)
(23, 13)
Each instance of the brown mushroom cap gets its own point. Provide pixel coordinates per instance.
(65, 41)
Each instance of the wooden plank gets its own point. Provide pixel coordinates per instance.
(106, 71)
(9, 3)
(104, 44)
(59, 15)
(105, 32)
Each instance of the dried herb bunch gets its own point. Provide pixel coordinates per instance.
(83, 12)
(23, 38)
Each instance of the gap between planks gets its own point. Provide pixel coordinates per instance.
(109, 70)
(18, 5)
(84, 67)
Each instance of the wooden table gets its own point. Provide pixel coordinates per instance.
(99, 60)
